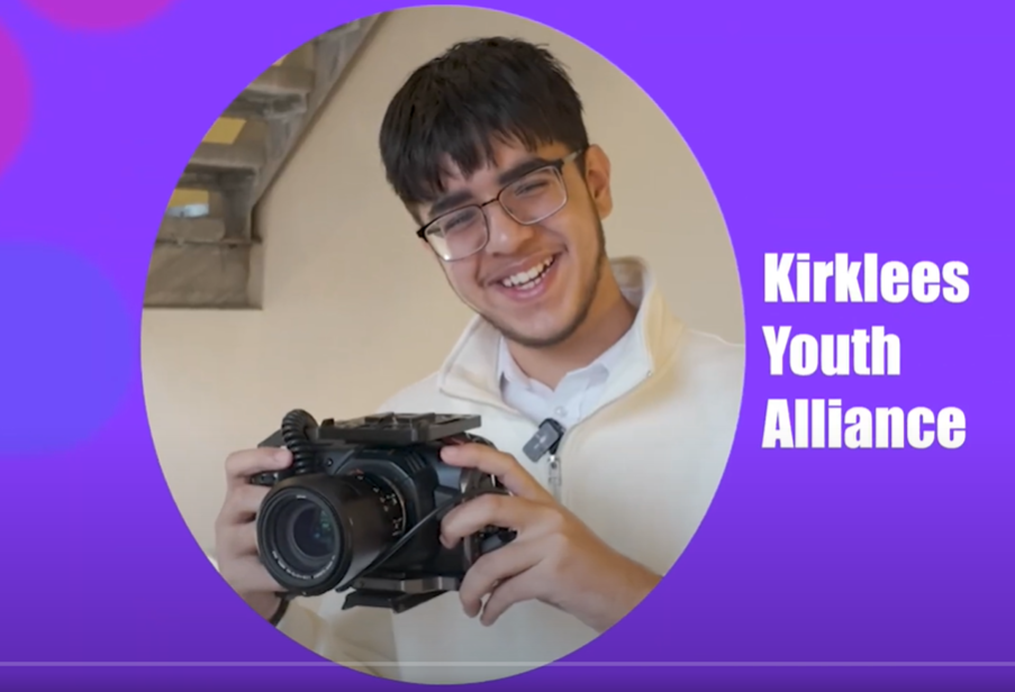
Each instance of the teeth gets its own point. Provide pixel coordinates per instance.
(529, 278)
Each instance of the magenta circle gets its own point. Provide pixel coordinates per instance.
(98, 15)
(14, 116)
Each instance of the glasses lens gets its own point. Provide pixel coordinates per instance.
(528, 200)
(458, 234)
(535, 197)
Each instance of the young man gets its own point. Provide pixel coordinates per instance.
(486, 148)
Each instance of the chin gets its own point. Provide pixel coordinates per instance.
(534, 336)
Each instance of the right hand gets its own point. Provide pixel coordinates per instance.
(236, 532)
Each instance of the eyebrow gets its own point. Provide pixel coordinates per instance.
(457, 199)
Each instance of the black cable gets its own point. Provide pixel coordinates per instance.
(407, 536)
(294, 433)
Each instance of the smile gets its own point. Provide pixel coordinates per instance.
(528, 280)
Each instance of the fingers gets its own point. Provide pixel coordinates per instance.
(505, 467)
(246, 575)
(234, 526)
(235, 529)
(245, 540)
(505, 511)
(242, 504)
(514, 590)
(236, 542)
(492, 569)
(236, 549)
(240, 466)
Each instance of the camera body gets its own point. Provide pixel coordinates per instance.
(360, 507)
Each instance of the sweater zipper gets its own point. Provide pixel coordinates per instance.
(555, 469)
(555, 473)
(555, 476)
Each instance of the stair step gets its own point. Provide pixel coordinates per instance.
(200, 276)
(282, 80)
(197, 177)
(242, 157)
(201, 229)
(256, 106)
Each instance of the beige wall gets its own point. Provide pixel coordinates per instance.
(353, 309)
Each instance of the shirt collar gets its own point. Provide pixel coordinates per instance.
(474, 368)
(598, 370)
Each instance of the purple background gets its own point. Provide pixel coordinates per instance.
(860, 127)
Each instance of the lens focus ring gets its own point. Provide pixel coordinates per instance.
(316, 531)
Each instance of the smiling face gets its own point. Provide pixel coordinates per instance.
(527, 255)
(535, 282)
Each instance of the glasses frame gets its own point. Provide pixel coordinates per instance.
(557, 166)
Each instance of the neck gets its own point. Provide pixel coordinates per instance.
(609, 318)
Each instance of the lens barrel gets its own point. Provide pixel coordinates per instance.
(316, 531)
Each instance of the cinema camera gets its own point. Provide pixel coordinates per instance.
(359, 509)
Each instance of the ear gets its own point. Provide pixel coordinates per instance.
(597, 178)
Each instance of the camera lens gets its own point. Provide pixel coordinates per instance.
(306, 535)
(314, 532)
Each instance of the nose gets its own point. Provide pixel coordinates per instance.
(506, 234)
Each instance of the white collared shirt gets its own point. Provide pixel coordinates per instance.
(576, 394)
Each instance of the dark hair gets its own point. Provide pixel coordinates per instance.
(458, 104)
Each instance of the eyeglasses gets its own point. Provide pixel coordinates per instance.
(534, 197)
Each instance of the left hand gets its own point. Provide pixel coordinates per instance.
(555, 558)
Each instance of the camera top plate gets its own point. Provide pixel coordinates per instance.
(396, 429)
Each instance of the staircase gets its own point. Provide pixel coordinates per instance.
(207, 252)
